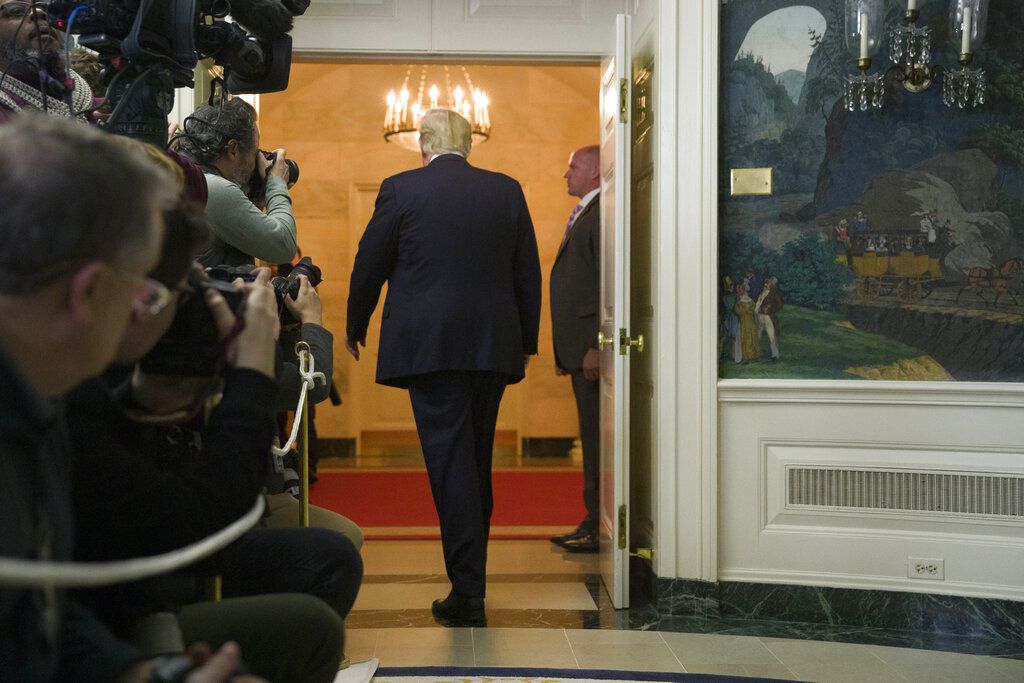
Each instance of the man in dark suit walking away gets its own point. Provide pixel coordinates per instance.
(575, 294)
(457, 248)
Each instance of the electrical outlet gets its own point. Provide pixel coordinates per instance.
(926, 568)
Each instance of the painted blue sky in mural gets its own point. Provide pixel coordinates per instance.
(780, 39)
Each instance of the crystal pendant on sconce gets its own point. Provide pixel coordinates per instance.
(910, 45)
(864, 91)
(964, 88)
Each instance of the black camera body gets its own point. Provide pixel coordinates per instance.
(293, 167)
(287, 285)
(191, 347)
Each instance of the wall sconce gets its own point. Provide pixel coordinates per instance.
(863, 32)
(910, 49)
(966, 87)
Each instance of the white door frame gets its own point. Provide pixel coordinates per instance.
(686, 293)
(686, 225)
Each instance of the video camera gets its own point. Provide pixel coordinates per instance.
(151, 47)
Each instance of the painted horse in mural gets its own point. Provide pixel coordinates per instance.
(1001, 280)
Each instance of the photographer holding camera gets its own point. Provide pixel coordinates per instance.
(224, 141)
(301, 314)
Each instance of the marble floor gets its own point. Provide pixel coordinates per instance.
(547, 608)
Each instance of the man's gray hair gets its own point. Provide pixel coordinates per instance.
(70, 194)
(443, 131)
(208, 130)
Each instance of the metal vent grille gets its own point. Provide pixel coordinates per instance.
(917, 491)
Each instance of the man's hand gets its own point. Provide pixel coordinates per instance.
(307, 307)
(560, 371)
(526, 363)
(254, 346)
(262, 164)
(352, 346)
(592, 364)
(217, 668)
(279, 167)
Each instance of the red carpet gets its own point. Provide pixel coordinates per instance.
(523, 501)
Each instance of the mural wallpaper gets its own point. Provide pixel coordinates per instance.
(892, 246)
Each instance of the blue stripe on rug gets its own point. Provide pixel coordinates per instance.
(592, 674)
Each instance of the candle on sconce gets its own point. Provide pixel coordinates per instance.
(965, 40)
(864, 35)
(911, 5)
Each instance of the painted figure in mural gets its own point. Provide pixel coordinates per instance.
(753, 282)
(749, 340)
(929, 224)
(841, 235)
(860, 224)
(730, 333)
(768, 306)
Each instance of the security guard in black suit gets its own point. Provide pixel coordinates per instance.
(457, 248)
(575, 294)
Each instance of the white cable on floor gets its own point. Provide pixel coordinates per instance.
(86, 574)
(307, 371)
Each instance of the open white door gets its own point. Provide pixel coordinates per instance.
(613, 340)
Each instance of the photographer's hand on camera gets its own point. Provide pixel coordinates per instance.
(306, 307)
(279, 167)
(254, 346)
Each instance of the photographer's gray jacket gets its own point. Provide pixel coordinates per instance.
(241, 231)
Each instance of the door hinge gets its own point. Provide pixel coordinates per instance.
(624, 100)
(623, 521)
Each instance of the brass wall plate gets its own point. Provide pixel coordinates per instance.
(750, 181)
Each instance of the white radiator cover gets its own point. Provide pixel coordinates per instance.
(841, 484)
(850, 489)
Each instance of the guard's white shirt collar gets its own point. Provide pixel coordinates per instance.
(587, 198)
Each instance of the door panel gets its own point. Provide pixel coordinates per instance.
(614, 390)
(641, 300)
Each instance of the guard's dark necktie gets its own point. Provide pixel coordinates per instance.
(568, 226)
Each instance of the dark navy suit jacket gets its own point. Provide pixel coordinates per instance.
(457, 248)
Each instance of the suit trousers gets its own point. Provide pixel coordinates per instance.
(588, 407)
(456, 412)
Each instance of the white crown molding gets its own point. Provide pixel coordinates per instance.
(843, 392)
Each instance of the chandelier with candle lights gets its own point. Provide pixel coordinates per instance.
(911, 50)
(404, 108)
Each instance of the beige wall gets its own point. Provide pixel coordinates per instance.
(330, 120)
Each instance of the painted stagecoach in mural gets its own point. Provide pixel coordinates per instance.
(893, 263)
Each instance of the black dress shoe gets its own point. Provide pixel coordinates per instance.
(459, 610)
(578, 532)
(583, 544)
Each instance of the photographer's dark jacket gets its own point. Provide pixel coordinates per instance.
(457, 248)
(241, 232)
(35, 460)
(142, 489)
